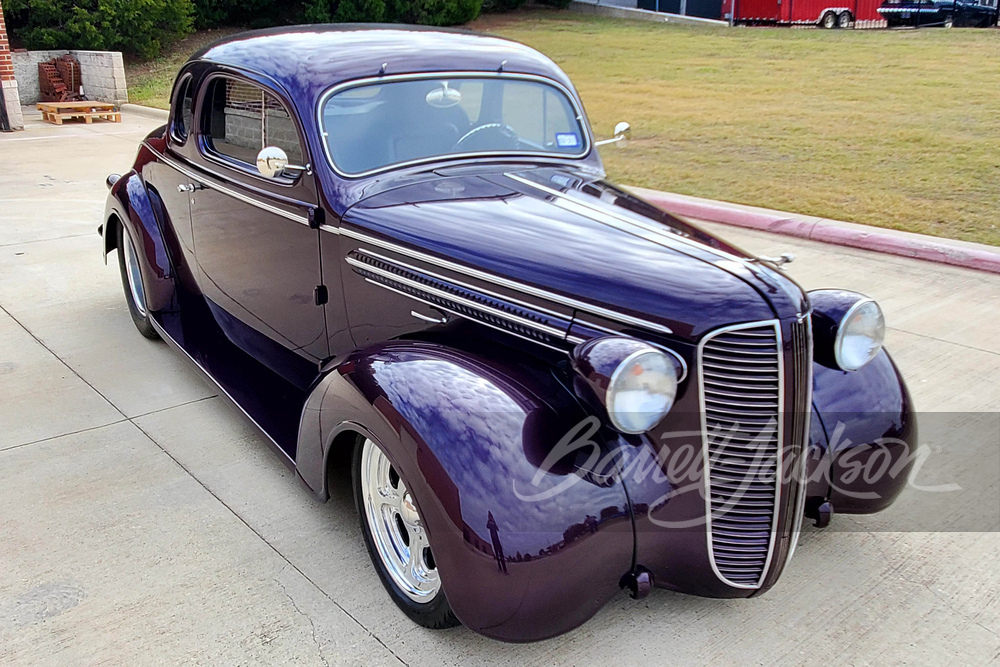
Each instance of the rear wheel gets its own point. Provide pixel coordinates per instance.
(829, 20)
(844, 20)
(949, 21)
(135, 294)
(397, 540)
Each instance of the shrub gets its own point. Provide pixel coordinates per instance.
(138, 27)
(424, 12)
(438, 12)
(346, 11)
(498, 6)
(254, 13)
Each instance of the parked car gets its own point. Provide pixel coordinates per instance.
(397, 246)
(944, 13)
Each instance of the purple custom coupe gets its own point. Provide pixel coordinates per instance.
(395, 249)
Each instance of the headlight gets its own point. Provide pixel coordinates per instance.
(636, 382)
(848, 328)
(859, 336)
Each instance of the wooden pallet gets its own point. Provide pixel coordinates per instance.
(57, 112)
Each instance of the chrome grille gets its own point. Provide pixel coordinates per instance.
(802, 354)
(742, 397)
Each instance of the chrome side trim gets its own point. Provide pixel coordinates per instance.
(458, 314)
(652, 229)
(499, 314)
(776, 324)
(275, 446)
(270, 208)
(467, 286)
(451, 156)
(504, 282)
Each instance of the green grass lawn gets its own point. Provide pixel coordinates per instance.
(149, 82)
(896, 129)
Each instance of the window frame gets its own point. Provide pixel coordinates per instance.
(207, 151)
(183, 86)
(579, 116)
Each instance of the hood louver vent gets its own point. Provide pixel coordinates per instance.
(461, 301)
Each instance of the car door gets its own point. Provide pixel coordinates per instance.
(257, 253)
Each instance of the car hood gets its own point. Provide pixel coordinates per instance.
(582, 238)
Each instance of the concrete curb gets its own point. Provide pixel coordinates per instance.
(904, 244)
(148, 112)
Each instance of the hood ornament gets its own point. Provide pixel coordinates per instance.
(785, 258)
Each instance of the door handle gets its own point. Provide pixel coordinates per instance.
(190, 187)
(429, 318)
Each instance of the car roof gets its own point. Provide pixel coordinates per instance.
(311, 58)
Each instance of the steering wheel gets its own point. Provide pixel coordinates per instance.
(488, 136)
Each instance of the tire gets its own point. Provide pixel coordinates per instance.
(135, 293)
(390, 523)
(844, 20)
(829, 21)
(949, 21)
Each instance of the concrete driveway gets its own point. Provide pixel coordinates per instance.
(142, 521)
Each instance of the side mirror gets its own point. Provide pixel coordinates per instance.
(273, 162)
(623, 132)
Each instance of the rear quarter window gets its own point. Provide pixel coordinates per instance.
(183, 110)
(241, 119)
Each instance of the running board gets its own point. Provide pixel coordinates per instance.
(271, 403)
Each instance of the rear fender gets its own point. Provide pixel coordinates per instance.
(130, 204)
(469, 435)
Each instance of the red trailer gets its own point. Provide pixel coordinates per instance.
(824, 13)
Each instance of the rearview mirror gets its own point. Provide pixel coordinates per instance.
(273, 162)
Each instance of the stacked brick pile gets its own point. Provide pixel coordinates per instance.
(59, 79)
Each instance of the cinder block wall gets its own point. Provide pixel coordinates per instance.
(102, 74)
(8, 82)
(243, 129)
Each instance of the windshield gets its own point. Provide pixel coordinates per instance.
(377, 125)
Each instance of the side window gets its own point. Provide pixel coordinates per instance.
(241, 118)
(182, 111)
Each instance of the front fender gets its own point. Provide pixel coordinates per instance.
(469, 435)
(135, 207)
(871, 429)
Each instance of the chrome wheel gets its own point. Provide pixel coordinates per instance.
(397, 532)
(134, 276)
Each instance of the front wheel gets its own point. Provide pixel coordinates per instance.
(397, 540)
(135, 294)
(829, 21)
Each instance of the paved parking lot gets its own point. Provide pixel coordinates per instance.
(142, 521)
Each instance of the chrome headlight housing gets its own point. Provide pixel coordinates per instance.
(634, 381)
(848, 328)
